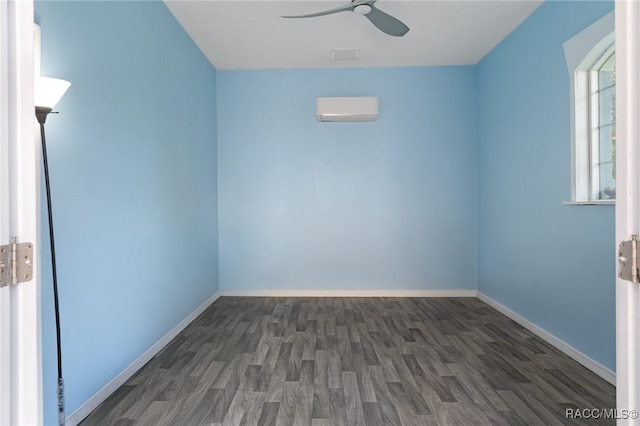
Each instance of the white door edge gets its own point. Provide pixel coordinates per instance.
(22, 393)
(627, 23)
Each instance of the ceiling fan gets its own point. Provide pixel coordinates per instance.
(385, 22)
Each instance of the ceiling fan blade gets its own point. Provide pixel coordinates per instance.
(386, 23)
(344, 8)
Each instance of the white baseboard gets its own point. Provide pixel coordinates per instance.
(559, 344)
(350, 293)
(92, 403)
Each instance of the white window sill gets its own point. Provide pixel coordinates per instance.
(590, 203)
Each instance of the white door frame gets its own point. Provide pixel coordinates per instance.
(20, 368)
(20, 334)
(627, 16)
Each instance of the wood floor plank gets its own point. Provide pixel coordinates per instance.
(333, 362)
(145, 393)
(241, 400)
(193, 399)
(367, 392)
(372, 414)
(253, 410)
(288, 404)
(344, 349)
(232, 374)
(320, 405)
(354, 361)
(383, 395)
(112, 410)
(404, 409)
(353, 406)
(294, 363)
(173, 399)
(523, 409)
(477, 388)
(269, 414)
(203, 413)
(304, 402)
(337, 413)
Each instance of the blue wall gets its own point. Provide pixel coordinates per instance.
(553, 264)
(384, 205)
(133, 169)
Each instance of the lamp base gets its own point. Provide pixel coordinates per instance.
(41, 114)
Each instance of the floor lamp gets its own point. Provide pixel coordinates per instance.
(48, 92)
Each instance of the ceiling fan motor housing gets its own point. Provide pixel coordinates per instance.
(362, 9)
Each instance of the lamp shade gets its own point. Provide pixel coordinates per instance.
(48, 91)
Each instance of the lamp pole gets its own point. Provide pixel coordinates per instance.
(41, 116)
(48, 92)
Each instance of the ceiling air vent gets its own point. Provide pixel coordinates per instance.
(345, 54)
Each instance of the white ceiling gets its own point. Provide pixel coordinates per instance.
(243, 34)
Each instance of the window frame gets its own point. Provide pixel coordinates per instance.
(582, 52)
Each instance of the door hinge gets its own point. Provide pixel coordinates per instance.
(16, 263)
(628, 260)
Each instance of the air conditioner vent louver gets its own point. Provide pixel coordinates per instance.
(363, 108)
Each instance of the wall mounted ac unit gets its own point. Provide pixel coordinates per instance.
(364, 108)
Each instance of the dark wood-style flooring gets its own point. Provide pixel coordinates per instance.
(355, 361)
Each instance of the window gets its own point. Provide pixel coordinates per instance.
(591, 61)
(602, 78)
